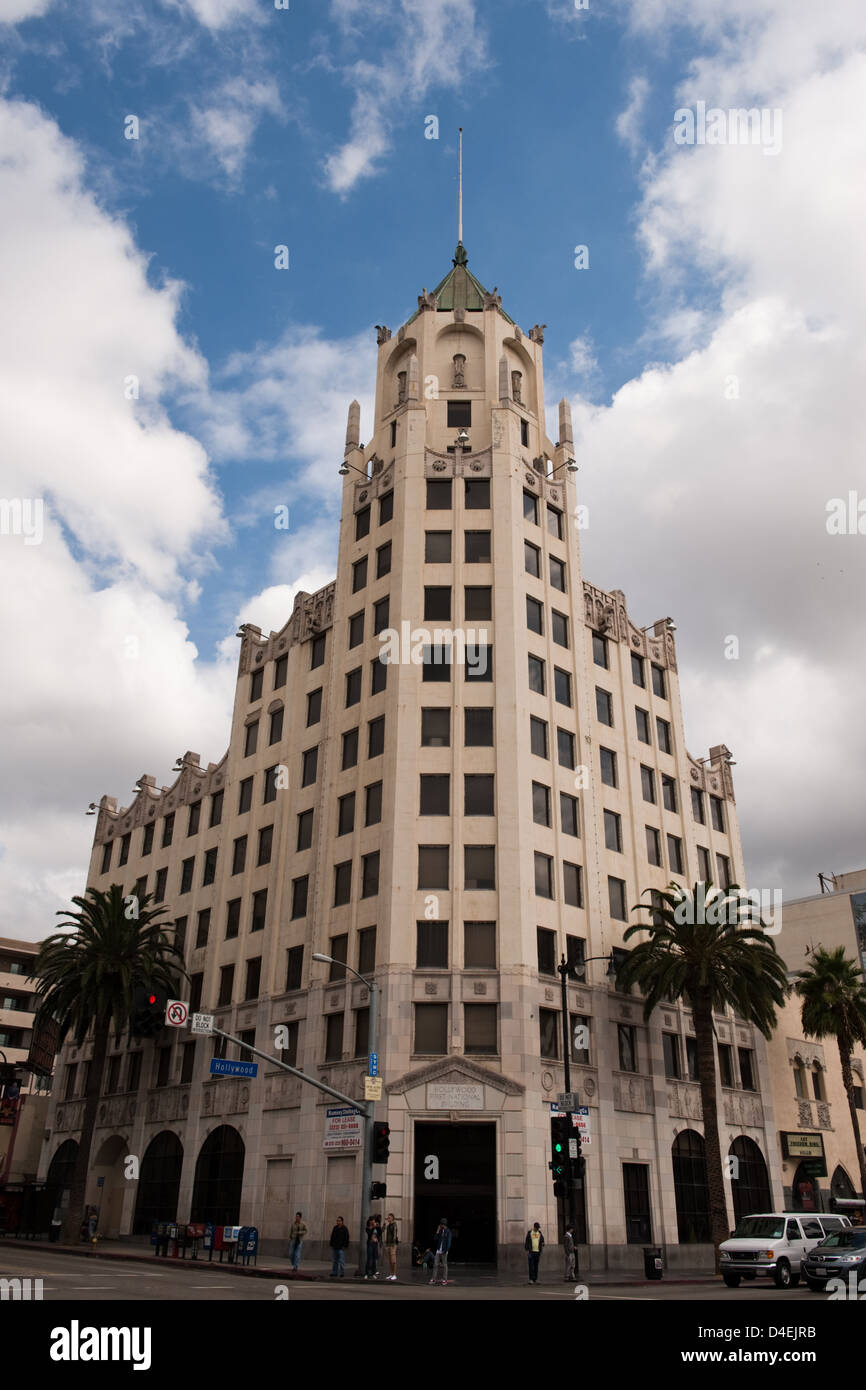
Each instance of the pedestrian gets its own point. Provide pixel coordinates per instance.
(568, 1244)
(296, 1240)
(391, 1243)
(534, 1244)
(441, 1246)
(374, 1247)
(339, 1243)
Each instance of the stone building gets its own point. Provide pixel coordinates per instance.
(455, 826)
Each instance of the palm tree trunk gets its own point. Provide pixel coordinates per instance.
(848, 1081)
(72, 1221)
(704, 1036)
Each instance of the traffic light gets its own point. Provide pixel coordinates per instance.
(378, 1189)
(148, 1011)
(381, 1142)
(560, 1132)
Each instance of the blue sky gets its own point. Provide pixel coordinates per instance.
(713, 353)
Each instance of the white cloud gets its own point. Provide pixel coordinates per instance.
(629, 123)
(222, 14)
(15, 11)
(581, 356)
(226, 126)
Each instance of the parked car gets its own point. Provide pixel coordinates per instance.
(841, 1254)
(775, 1244)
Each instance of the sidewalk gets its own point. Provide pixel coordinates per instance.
(272, 1267)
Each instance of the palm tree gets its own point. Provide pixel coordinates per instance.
(706, 946)
(87, 976)
(834, 1006)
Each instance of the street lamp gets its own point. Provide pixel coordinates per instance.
(343, 471)
(367, 1155)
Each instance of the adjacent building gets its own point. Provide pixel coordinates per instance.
(24, 1106)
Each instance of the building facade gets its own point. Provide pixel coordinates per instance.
(22, 1115)
(454, 820)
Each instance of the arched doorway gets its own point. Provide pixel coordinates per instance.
(841, 1185)
(691, 1190)
(62, 1167)
(158, 1183)
(219, 1175)
(750, 1183)
(107, 1195)
(804, 1190)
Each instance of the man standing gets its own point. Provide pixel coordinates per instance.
(339, 1243)
(534, 1244)
(568, 1244)
(296, 1241)
(391, 1243)
(374, 1247)
(441, 1246)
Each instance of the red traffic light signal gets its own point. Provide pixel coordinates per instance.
(148, 1011)
(381, 1142)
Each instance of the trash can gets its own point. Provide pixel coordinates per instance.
(652, 1262)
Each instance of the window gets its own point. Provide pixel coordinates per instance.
(281, 668)
(362, 1031)
(431, 1029)
(71, 1072)
(559, 628)
(370, 874)
(524, 433)
(459, 414)
(436, 662)
(642, 723)
(477, 547)
(572, 884)
(613, 831)
(548, 1034)
(479, 1028)
(532, 558)
(260, 908)
(478, 727)
(817, 1083)
(608, 767)
(477, 602)
(723, 867)
(536, 675)
(439, 495)
(209, 869)
(194, 818)
(431, 945)
(565, 748)
(726, 1068)
(383, 560)
(356, 630)
(669, 793)
(294, 967)
(603, 707)
(479, 945)
(540, 804)
(187, 1062)
(256, 682)
(675, 854)
(133, 1076)
(478, 795)
(692, 1058)
(378, 675)
(437, 548)
(317, 652)
(353, 687)
(648, 784)
(359, 575)
(543, 875)
(186, 872)
(252, 737)
(538, 737)
(239, 855)
(159, 885)
(334, 1035)
(106, 851)
(163, 1066)
(314, 707)
(698, 813)
(616, 898)
(637, 671)
(381, 615)
(254, 974)
(289, 1051)
(362, 523)
(477, 494)
(433, 866)
(346, 814)
(233, 918)
(663, 732)
(658, 679)
(305, 830)
(653, 847)
(747, 1069)
(627, 1044)
(202, 927)
(638, 1221)
(366, 950)
(350, 749)
(554, 522)
(479, 863)
(534, 616)
(435, 728)
(599, 650)
(386, 508)
(167, 830)
(580, 1026)
(227, 980)
(569, 817)
(342, 883)
(557, 574)
(479, 662)
(671, 1049)
(562, 686)
(376, 737)
(718, 813)
(270, 785)
(299, 896)
(245, 795)
(275, 732)
(338, 950)
(530, 508)
(704, 869)
(437, 602)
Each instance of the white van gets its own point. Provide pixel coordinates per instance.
(774, 1243)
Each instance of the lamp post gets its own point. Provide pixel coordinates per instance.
(367, 1150)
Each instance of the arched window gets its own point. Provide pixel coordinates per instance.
(158, 1182)
(219, 1175)
(690, 1188)
(749, 1181)
(62, 1167)
(841, 1185)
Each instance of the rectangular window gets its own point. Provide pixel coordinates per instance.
(194, 818)
(159, 885)
(378, 675)
(275, 732)
(106, 851)
(616, 899)
(362, 523)
(227, 981)
(266, 840)
(540, 804)
(245, 795)
(281, 670)
(705, 871)
(554, 522)
(530, 508)
(437, 547)
(366, 950)
(439, 495)
(723, 867)
(353, 687)
(675, 855)
(477, 494)
(350, 750)
(186, 872)
(479, 863)
(383, 560)
(202, 928)
(569, 817)
(334, 1036)
(557, 574)
(305, 830)
(663, 731)
(627, 1045)
(532, 558)
(477, 602)
(747, 1070)
(359, 575)
(71, 1073)
(187, 1063)
(356, 630)
(233, 918)
(163, 1066)
(436, 662)
(431, 945)
(653, 846)
(251, 739)
(559, 628)
(433, 866)
(239, 855)
(658, 679)
(599, 650)
(317, 651)
(478, 794)
(459, 415)
(342, 883)
(376, 737)
(216, 809)
(299, 896)
(362, 1032)
(370, 874)
(477, 547)
(718, 813)
(671, 1049)
(339, 953)
(543, 875)
(478, 727)
(260, 910)
(638, 1220)
(437, 602)
(524, 433)
(373, 804)
(435, 728)
(289, 1051)
(534, 616)
(549, 1032)
(565, 748)
(167, 830)
(580, 1038)
(608, 767)
(346, 814)
(613, 831)
(256, 682)
(669, 794)
(637, 671)
(294, 967)
(726, 1067)
(538, 737)
(648, 784)
(386, 508)
(314, 707)
(572, 884)
(479, 662)
(641, 717)
(692, 1058)
(209, 870)
(479, 1029)
(603, 707)
(431, 1029)
(133, 1077)
(381, 615)
(562, 686)
(536, 675)
(698, 813)
(254, 975)
(479, 945)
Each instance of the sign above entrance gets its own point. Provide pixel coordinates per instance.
(802, 1145)
(443, 1096)
(342, 1129)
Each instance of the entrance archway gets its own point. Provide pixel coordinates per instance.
(750, 1182)
(455, 1177)
(159, 1182)
(690, 1188)
(841, 1185)
(107, 1195)
(219, 1176)
(804, 1190)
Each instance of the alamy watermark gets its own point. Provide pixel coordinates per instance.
(737, 126)
(438, 646)
(22, 516)
(720, 907)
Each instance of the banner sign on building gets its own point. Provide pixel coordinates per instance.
(44, 1042)
(802, 1145)
(342, 1129)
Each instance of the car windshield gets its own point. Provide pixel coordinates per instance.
(846, 1238)
(760, 1227)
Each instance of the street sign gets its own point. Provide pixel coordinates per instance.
(580, 1119)
(572, 1148)
(220, 1068)
(342, 1129)
(567, 1100)
(372, 1088)
(374, 1064)
(202, 1023)
(176, 1013)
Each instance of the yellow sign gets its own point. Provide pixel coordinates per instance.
(372, 1088)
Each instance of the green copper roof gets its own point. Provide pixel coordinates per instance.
(459, 289)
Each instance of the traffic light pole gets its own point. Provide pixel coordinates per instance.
(367, 1160)
(563, 969)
